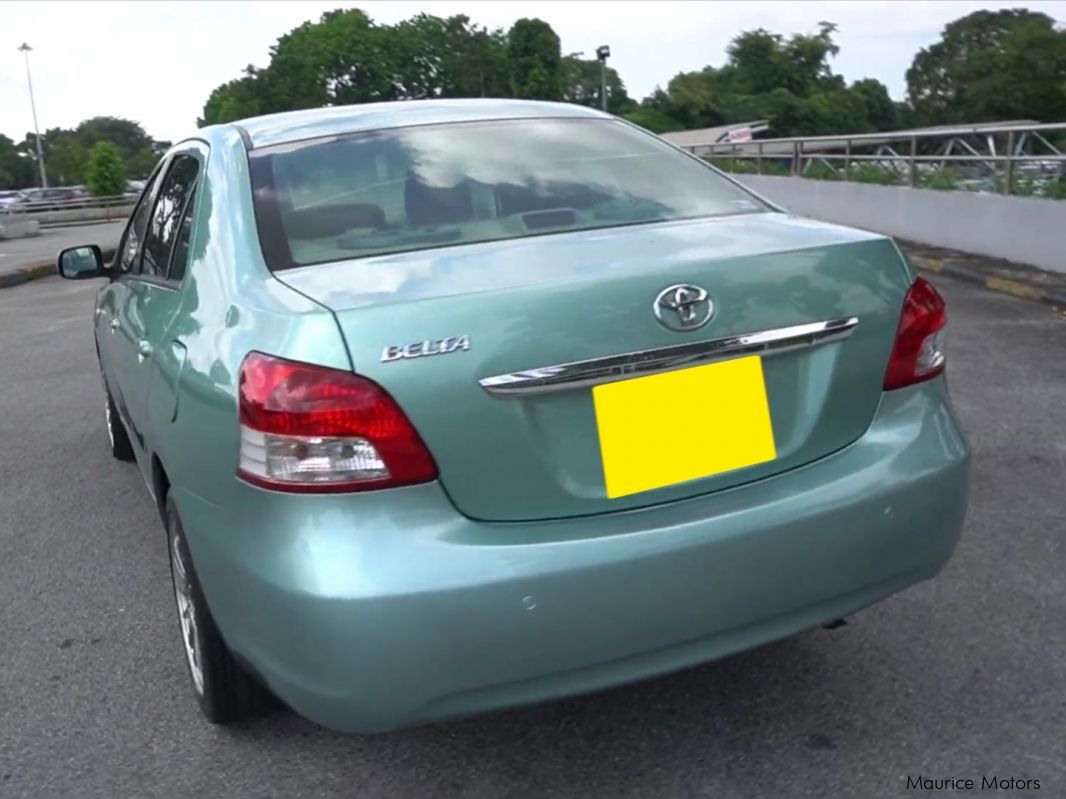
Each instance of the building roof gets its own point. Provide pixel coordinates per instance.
(312, 123)
(815, 144)
(720, 133)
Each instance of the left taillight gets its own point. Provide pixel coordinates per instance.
(918, 351)
(308, 428)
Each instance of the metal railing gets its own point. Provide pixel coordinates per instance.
(1002, 158)
(76, 203)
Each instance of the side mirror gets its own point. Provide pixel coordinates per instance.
(79, 263)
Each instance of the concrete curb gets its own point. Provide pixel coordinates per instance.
(1015, 288)
(24, 274)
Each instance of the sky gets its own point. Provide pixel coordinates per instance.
(157, 62)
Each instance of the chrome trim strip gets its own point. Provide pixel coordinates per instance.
(594, 372)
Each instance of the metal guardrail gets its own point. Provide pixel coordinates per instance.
(991, 157)
(77, 203)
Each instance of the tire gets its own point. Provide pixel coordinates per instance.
(121, 447)
(225, 692)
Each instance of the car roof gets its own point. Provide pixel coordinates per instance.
(291, 126)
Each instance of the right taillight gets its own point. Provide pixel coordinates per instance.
(307, 428)
(918, 352)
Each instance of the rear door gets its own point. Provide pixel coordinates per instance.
(113, 303)
(155, 291)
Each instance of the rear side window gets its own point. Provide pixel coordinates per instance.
(134, 236)
(179, 258)
(437, 185)
(165, 224)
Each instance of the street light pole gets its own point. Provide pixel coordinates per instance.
(603, 52)
(25, 50)
(603, 84)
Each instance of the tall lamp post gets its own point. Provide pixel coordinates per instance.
(25, 50)
(603, 52)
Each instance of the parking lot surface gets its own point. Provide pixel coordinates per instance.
(964, 676)
(17, 253)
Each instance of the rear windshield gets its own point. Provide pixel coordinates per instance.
(439, 185)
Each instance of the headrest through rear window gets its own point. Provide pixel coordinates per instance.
(332, 220)
(428, 205)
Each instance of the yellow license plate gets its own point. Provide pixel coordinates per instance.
(664, 429)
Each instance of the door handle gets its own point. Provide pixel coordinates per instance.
(144, 348)
(113, 325)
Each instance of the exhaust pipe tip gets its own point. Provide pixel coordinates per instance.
(834, 624)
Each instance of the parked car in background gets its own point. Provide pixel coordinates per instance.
(455, 405)
(134, 188)
(9, 197)
(52, 199)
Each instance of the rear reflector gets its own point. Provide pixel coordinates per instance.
(308, 428)
(918, 352)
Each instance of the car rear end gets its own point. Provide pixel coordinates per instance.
(609, 415)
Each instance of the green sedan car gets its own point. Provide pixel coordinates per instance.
(449, 406)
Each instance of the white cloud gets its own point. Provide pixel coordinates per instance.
(157, 62)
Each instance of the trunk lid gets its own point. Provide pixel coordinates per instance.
(511, 306)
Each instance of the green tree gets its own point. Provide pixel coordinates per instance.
(476, 60)
(235, 100)
(760, 62)
(66, 152)
(17, 169)
(696, 99)
(105, 174)
(881, 112)
(139, 151)
(991, 65)
(787, 81)
(652, 119)
(582, 78)
(343, 58)
(125, 134)
(65, 159)
(140, 163)
(534, 60)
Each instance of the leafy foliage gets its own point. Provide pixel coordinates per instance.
(534, 60)
(582, 85)
(17, 167)
(105, 173)
(988, 65)
(788, 81)
(345, 57)
(946, 179)
(652, 119)
(66, 152)
(875, 173)
(991, 65)
(237, 99)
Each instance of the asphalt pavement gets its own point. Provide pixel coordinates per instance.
(963, 676)
(19, 253)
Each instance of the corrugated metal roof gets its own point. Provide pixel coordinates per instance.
(703, 136)
(815, 144)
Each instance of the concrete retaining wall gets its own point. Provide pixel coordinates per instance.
(73, 215)
(1025, 230)
(15, 227)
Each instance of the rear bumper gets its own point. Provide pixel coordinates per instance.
(387, 609)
